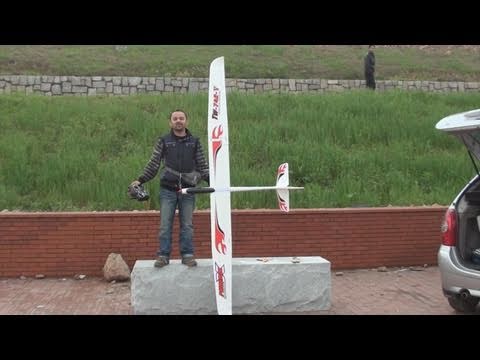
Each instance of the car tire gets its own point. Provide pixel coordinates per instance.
(464, 305)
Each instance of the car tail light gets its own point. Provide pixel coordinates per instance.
(449, 228)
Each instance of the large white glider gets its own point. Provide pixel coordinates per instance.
(220, 189)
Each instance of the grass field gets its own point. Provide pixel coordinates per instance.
(348, 149)
(427, 62)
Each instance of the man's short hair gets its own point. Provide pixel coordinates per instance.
(178, 110)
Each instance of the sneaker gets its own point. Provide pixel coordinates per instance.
(189, 261)
(161, 261)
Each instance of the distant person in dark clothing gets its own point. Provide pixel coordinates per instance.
(370, 68)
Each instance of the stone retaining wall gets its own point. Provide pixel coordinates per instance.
(123, 85)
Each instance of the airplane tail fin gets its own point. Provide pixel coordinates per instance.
(282, 184)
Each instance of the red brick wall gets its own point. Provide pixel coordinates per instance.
(63, 244)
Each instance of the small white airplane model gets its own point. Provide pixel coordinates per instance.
(281, 187)
(220, 189)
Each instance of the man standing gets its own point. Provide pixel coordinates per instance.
(370, 68)
(183, 157)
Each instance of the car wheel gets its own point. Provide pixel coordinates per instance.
(464, 305)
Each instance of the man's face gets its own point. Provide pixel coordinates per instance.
(178, 121)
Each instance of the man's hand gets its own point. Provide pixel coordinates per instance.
(136, 191)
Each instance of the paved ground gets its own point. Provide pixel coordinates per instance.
(402, 291)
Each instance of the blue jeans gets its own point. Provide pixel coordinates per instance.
(169, 200)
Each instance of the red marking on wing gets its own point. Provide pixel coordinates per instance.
(220, 278)
(216, 143)
(282, 205)
(219, 237)
(281, 171)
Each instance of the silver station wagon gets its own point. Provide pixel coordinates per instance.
(459, 253)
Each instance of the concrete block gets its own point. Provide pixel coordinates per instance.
(266, 285)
